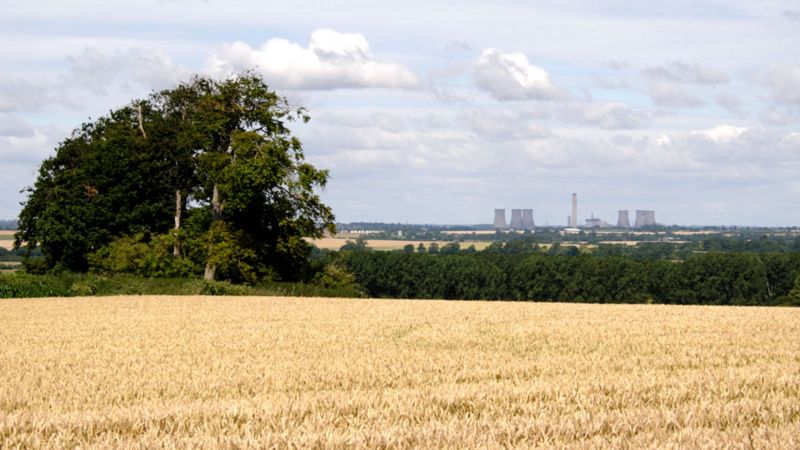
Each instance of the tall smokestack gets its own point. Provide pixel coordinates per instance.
(527, 219)
(622, 220)
(499, 218)
(516, 219)
(574, 216)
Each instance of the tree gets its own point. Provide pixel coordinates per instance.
(223, 147)
(104, 181)
(252, 172)
(794, 294)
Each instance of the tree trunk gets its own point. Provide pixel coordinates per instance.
(216, 205)
(209, 273)
(216, 214)
(141, 121)
(176, 250)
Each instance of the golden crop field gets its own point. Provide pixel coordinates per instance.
(335, 243)
(7, 239)
(155, 372)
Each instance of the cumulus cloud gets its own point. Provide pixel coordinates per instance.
(13, 126)
(18, 94)
(331, 60)
(730, 102)
(129, 69)
(775, 116)
(721, 133)
(673, 95)
(510, 76)
(680, 72)
(793, 16)
(611, 115)
(783, 82)
(504, 126)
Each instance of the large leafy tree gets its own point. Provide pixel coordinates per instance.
(220, 151)
(254, 178)
(105, 180)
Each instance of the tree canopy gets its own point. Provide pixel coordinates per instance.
(209, 166)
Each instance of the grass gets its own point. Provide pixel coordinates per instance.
(228, 372)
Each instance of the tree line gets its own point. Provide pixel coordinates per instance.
(709, 279)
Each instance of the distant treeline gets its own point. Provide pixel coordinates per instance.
(733, 278)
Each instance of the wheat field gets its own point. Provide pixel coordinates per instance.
(335, 243)
(203, 372)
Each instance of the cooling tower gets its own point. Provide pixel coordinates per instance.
(574, 216)
(645, 218)
(516, 219)
(622, 221)
(527, 219)
(499, 218)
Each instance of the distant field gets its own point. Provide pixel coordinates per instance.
(162, 372)
(388, 244)
(7, 239)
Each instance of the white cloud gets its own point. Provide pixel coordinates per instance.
(332, 60)
(13, 126)
(18, 94)
(129, 69)
(730, 102)
(776, 116)
(680, 72)
(504, 126)
(783, 82)
(510, 76)
(673, 95)
(610, 115)
(722, 133)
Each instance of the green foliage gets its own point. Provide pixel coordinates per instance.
(360, 245)
(20, 285)
(103, 181)
(335, 275)
(138, 255)
(715, 278)
(223, 288)
(218, 154)
(224, 250)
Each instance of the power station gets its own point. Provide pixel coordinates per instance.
(622, 219)
(500, 219)
(574, 216)
(522, 219)
(645, 218)
(527, 219)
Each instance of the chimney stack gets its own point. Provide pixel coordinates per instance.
(574, 216)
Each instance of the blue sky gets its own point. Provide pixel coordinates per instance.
(441, 113)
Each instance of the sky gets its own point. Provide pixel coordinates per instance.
(439, 112)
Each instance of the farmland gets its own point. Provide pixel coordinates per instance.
(6, 239)
(335, 243)
(261, 371)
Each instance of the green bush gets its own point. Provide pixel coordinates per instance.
(224, 288)
(23, 285)
(143, 255)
